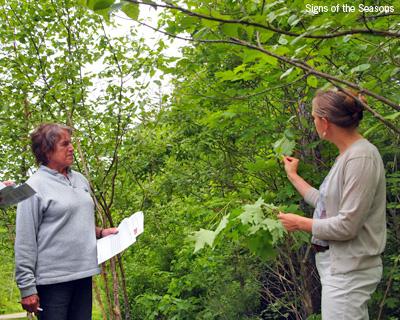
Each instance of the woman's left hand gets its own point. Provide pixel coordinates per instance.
(294, 222)
(108, 231)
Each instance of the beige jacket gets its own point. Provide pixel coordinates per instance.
(356, 209)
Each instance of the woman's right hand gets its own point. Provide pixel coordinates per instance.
(30, 303)
(291, 165)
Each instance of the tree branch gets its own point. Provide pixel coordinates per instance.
(269, 27)
(302, 65)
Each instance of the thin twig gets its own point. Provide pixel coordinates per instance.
(302, 65)
(269, 27)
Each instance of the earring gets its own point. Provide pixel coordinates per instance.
(323, 134)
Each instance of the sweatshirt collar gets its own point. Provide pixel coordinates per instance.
(52, 171)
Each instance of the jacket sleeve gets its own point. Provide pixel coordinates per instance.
(311, 197)
(27, 224)
(361, 177)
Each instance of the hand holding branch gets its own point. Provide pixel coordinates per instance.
(294, 222)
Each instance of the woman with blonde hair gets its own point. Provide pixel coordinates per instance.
(349, 224)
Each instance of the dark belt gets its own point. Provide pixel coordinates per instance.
(318, 248)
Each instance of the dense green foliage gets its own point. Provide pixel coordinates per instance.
(202, 160)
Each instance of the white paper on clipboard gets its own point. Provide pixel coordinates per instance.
(128, 230)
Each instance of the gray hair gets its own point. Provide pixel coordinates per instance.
(44, 139)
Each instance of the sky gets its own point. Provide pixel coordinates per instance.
(124, 26)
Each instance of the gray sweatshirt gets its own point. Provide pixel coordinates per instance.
(355, 226)
(55, 231)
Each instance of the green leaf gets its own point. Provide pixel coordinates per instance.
(230, 29)
(298, 38)
(360, 68)
(105, 13)
(347, 38)
(392, 302)
(203, 237)
(393, 116)
(284, 147)
(187, 22)
(312, 81)
(265, 35)
(259, 165)
(271, 164)
(289, 133)
(239, 68)
(372, 129)
(275, 228)
(271, 16)
(394, 72)
(371, 84)
(226, 75)
(131, 10)
(90, 3)
(293, 20)
(228, 114)
(286, 73)
(254, 228)
(152, 3)
(251, 55)
(260, 245)
(282, 40)
(222, 224)
(210, 24)
(249, 31)
(102, 4)
(252, 212)
(281, 50)
(270, 60)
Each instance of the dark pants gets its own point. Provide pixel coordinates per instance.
(66, 301)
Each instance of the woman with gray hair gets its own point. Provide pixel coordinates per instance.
(55, 245)
(349, 226)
